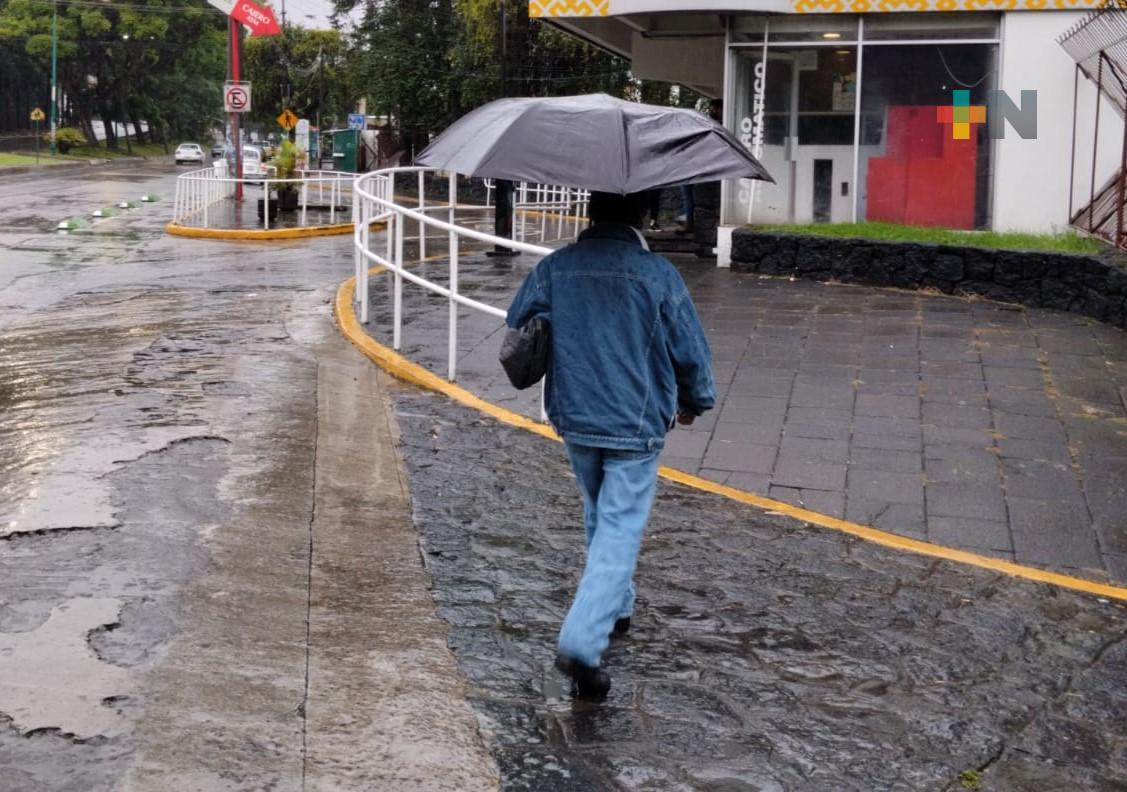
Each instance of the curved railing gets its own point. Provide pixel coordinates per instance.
(200, 194)
(375, 201)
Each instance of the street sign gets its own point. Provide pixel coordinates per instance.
(37, 115)
(236, 97)
(356, 121)
(258, 18)
(287, 120)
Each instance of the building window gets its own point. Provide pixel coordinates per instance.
(915, 169)
(796, 105)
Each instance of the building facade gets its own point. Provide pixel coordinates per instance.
(956, 113)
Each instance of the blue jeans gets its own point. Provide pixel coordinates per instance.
(618, 490)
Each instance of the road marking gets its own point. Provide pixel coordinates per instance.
(402, 368)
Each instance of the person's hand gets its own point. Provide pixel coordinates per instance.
(685, 419)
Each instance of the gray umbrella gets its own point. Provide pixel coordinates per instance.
(593, 141)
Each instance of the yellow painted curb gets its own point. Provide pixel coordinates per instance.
(338, 229)
(398, 366)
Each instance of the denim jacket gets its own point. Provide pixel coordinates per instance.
(628, 350)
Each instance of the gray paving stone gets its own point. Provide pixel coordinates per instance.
(1035, 450)
(905, 375)
(886, 486)
(812, 448)
(1014, 378)
(1028, 427)
(977, 501)
(1044, 480)
(719, 476)
(764, 404)
(687, 464)
(895, 427)
(885, 459)
(838, 432)
(758, 384)
(949, 435)
(956, 416)
(740, 457)
(770, 412)
(828, 503)
(1010, 357)
(839, 398)
(759, 433)
(970, 533)
(959, 371)
(819, 416)
(1090, 390)
(1052, 534)
(905, 519)
(1022, 401)
(960, 465)
(954, 391)
(809, 474)
(750, 482)
(682, 443)
(887, 441)
(882, 406)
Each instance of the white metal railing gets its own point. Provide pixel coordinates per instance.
(375, 201)
(197, 192)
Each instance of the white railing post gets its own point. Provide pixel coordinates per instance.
(365, 234)
(304, 201)
(357, 256)
(266, 203)
(422, 226)
(333, 202)
(452, 345)
(559, 192)
(397, 284)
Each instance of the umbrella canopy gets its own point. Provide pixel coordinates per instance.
(593, 141)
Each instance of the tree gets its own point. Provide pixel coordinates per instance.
(158, 61)
(301, 70)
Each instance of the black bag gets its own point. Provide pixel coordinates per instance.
(525, 351)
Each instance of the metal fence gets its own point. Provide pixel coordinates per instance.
(376, 201)
(202, 194)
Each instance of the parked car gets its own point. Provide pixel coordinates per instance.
(217, 149)
(189, 152)
(254, 166)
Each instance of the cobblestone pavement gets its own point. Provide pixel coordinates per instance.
(765, 654)
(972, 424)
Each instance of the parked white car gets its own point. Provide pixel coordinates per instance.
(189, 152)
(254, 169)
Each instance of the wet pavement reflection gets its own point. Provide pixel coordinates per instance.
(765, 654)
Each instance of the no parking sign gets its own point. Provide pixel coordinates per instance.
(236, 97)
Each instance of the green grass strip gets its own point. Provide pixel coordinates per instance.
(1066, 242)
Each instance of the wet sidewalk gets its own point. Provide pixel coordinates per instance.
(765, 655)
(976, 425)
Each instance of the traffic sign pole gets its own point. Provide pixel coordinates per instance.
(238, 143)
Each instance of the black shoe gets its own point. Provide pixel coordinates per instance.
(622, 626)
(586, 682)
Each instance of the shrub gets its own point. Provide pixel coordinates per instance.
(66, 138)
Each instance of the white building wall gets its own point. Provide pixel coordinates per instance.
(1031, 177)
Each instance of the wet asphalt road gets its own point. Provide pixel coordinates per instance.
(158, 413)
(158, 409)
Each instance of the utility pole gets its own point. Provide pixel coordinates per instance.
(54, 74)
(503, 210)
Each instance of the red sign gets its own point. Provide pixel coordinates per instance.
(260, 19)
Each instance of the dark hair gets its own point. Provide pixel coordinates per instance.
(614, 208)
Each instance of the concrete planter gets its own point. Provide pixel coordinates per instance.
(1094, 286)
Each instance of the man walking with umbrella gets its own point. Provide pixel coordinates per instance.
(628, 359)
(628, 356)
